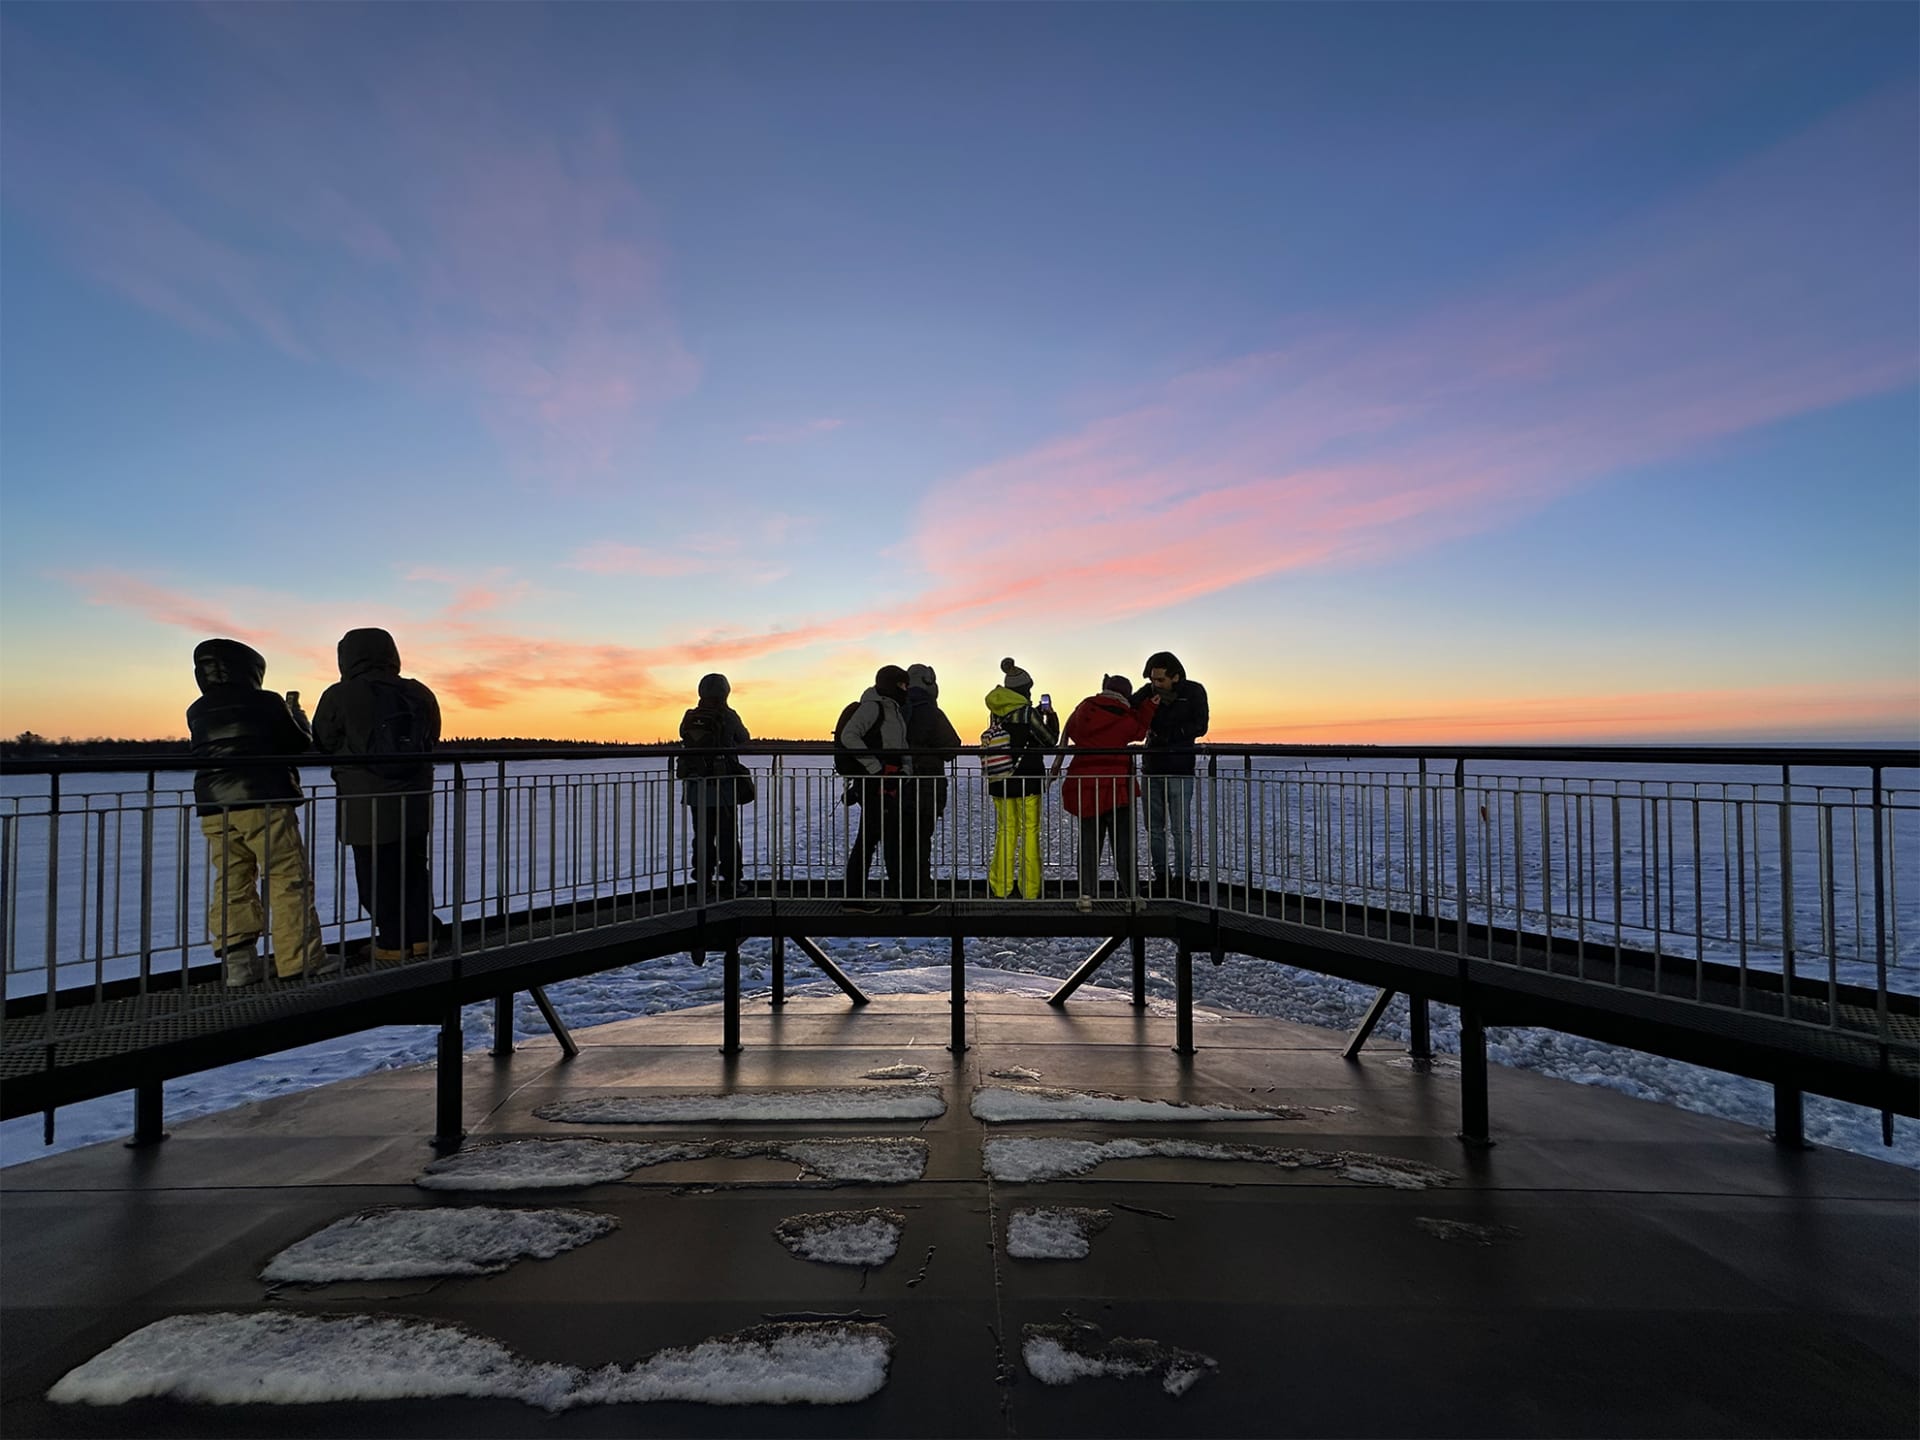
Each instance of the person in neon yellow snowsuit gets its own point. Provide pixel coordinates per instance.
(1017, 739)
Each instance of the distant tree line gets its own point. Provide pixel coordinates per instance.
(28, 745)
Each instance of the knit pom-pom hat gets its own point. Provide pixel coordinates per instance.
(1015, 678)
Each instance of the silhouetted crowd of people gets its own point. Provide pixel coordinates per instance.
(894, 746)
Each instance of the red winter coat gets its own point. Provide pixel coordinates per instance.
(1096, 783)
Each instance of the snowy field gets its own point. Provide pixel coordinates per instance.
(1030, 967)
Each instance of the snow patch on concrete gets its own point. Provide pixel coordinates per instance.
(864, 1102)
(281, 1358)
(1042, 1158)
(1464, 1230)
(1058, 1233)
(898, 1072)
(391, 1243)
(999, 1105)
(564, 1164)
(865, 1238)
(1062, 1354)
(1015, 1072)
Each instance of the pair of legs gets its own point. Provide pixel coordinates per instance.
(881, 819)
(1113, 825)
(254, 850)
(396, 889)
(920, 805)
(716, 845)
(1170, 818)
(1016, 846)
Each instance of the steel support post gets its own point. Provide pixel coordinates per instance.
(779, 996)
(1473, 1077)
(957, 1043)
(449, 1127)
(503, 1025)
(1139, 945)
(149, 1127)
(730, 1000)
(1789, 1117)
(1183, 1001)
(1419, 1028)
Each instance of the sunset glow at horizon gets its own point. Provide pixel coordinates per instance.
(1417, 374)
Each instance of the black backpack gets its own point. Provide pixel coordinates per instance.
(396, 730)
(846, 759)
(700, 753)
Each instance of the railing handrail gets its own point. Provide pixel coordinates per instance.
(1865, 757)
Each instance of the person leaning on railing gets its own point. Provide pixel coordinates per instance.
(385, 808)
(249, 816)
(1100, 788)
(873, 733)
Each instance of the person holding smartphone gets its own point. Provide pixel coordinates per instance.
(1017, 739)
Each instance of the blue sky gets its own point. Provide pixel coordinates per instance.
(1417, 373)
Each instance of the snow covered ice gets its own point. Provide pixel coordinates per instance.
(567, 1164)
(403, 1244)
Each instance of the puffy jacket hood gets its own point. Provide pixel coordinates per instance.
(1004, 701)
(368, 652)
(228, 662)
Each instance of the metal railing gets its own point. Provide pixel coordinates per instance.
(1792, 867)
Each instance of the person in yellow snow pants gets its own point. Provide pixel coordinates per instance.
(1016, 846)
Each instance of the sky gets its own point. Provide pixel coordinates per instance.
(1433, 374)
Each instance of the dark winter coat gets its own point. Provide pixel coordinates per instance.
(882, 709)
(1097, 783)
(235, 717)
(1178, 720)
(932, 739)
(372, 810)
(717, 787)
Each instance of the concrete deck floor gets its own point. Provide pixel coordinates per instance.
(1667, 1274)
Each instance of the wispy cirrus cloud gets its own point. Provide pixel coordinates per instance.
(747, 550)
(789, 434)
(384, 209)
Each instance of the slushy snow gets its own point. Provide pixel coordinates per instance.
(867, 1102)
(402, 1244)
(1042, 1158)
(1062, 1354)
(569, 1164)
(999, 1105)
(843, 1237)
(281, 1358)
(1059, 1233)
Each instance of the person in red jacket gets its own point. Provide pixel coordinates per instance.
(1100, 788)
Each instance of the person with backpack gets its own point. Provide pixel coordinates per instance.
(870, 743)
(249, 816)
(385, 805)
(1100, 788)
(714, 785)
(931, 743)
(1179, 718)
(1015, 743)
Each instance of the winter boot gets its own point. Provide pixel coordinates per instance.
(243, 965)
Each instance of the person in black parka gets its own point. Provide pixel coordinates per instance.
(249, 816)
(385, 808)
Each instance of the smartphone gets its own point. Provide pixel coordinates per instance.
(293, 697)
(1046, 702)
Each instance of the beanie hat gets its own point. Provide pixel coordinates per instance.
(921, 677)
(890, 677)
(1118, 684)
(714, 689)
(1015, 678)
